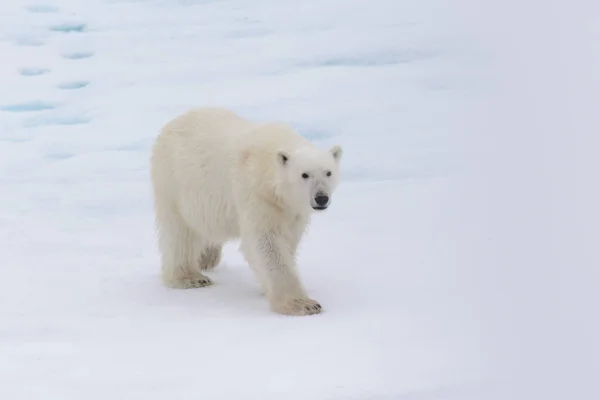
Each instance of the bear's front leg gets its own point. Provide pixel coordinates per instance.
(274, 265)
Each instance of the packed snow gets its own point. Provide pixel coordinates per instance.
(395, 261)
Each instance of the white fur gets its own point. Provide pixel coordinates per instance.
(218, 177)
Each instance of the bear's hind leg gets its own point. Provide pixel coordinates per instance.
(179, 247)
(210, 257)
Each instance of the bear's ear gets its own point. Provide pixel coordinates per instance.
(336, 152)
(282, 157)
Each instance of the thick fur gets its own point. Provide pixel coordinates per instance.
(218, 177)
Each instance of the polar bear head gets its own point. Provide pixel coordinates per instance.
(310, 176)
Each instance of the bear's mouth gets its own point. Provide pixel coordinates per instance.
(319, 208)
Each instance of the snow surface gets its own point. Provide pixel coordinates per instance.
(86, 88)
(396, 261)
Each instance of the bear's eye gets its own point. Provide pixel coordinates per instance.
(328, 173)
(305, 175)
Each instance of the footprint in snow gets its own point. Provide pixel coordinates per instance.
(58, 155)
(41, 9)
(33, 71)
(72, 85)
(29, 41)
(68, 28)
(78, 55)
(28, 106)
(56, 120)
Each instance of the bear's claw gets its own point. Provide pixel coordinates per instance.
(202, 282)
(190, 283)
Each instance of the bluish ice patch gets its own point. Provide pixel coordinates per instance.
(28, 106)
(72, 85)
(312, 133)
(315, 135)
(28, 41)
(33, 71)
(78, 55)
(58, 155)
(15, 139)
(56, 120)
(42, 8)
(370, 60)
(67, 28)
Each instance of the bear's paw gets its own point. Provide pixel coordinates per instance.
(297, 307)
(190, 283)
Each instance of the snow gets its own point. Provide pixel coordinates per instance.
(408, 261)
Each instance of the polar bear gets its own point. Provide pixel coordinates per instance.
(218, 177)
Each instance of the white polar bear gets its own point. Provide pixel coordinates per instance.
(218, 177)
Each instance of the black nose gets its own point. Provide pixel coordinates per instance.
(322, 200)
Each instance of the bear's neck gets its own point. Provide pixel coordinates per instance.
(287, 204)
